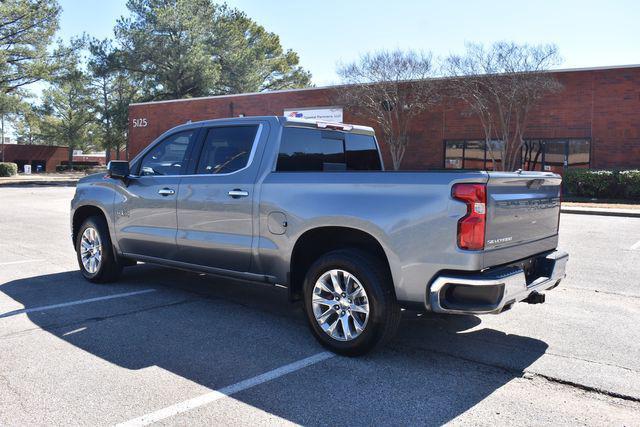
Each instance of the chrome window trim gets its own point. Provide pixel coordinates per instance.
(256, 140)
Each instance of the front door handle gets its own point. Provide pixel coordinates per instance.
(166, 192)
(237, 193)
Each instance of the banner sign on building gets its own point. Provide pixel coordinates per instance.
(327, 114)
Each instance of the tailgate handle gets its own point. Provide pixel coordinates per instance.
(535, 184)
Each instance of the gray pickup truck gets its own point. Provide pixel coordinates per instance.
(308, 206)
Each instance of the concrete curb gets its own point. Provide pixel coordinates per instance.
(43, 183)
(602, 212)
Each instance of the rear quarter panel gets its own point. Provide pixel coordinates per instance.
(411, 214)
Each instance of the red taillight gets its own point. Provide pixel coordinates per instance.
(471, 226)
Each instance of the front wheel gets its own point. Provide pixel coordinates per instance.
(96, 258)
(349, 302)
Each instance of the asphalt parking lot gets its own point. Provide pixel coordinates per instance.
(169, 347)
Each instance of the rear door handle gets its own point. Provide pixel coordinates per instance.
(166, 192)
(237, 193)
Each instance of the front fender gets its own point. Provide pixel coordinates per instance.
(97, 193)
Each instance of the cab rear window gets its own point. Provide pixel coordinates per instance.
(317, 150)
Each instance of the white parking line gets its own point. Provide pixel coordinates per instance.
(68, 304)
(207, 398)
(24, 261)
(635, 246)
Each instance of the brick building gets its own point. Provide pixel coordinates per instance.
(45, 158)
(593, 122)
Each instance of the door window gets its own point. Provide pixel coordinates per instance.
(169, 157)
(226, 149)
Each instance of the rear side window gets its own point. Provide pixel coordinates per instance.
(226, 149)
(316, 150)
(362, 153)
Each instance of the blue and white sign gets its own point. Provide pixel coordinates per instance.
(325, 114)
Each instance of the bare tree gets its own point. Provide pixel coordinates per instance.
(390, 88)
(501, 85)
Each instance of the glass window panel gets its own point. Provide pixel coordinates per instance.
(494, 153)
(554, 152)
(532, 155)
(303, 149)
(474, 155)
(226, 149)
(579, 153)
(168, 157)
(453, 151)
(362, 153)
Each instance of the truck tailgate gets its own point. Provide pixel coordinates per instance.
(521, 208)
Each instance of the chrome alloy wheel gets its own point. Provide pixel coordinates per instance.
(340, 305)
(91, 250)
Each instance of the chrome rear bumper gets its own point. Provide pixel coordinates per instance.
(492, 290)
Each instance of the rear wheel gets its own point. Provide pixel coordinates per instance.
(96, 258)
(349, 302)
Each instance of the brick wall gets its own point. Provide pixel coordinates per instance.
(30, 154)
(603, 105)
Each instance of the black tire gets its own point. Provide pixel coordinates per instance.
(384, 311)
(109, 268)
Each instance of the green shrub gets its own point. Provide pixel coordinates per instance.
(630, 184)
(77, 168)
(8, 169)
(591, 183)
(603, 184)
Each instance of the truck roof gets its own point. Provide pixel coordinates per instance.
(298, 122)
(287, 122)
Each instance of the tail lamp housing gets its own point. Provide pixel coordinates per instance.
(471, 227)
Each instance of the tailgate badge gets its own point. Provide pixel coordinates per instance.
(500, 240)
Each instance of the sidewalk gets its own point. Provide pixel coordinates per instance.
(606, 209)
(61, 179)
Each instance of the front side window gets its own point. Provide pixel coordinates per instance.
(226, 149)
(317, 150)
(169, 157)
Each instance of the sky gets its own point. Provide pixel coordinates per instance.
(326, 32)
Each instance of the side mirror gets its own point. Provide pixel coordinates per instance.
(118, 169)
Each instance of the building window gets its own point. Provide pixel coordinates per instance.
(472, 154)
(537, 154)
(453, 154)
(556, 154)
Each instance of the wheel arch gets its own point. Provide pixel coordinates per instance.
(81, 213)
(317, 241)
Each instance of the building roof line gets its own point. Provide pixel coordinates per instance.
(202, 98)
